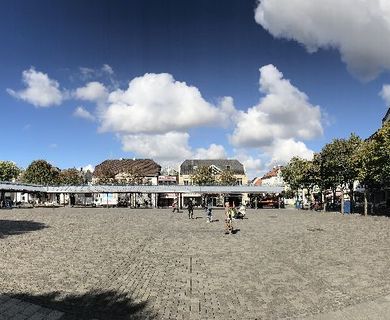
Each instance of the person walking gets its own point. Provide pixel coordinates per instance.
(175, 207)
(190, 207)
(228, 219)
(209, 211)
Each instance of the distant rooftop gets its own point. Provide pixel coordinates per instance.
(386, 117)
(188, 166)
(144, 167)
(272, 173)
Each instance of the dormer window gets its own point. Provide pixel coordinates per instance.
(214, 169)
(227, 167)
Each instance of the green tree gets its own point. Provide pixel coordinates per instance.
(295, 173)
(339, 166)
(70, 177)
(227, 178)
(300, 174)
(373, 159)
(203, 176)
(8, 171)
(41, 172)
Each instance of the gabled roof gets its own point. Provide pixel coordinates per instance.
(386, 117)
(187, 167)
(273, 173)
(256, 181)
(384, 120)
(143, 167)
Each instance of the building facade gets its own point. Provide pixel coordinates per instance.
(216, 167)
(127, 171)
(273, 178)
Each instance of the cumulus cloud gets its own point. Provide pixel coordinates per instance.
(253, 165)
(385, 93)
(214, 151)
(360, 30)
(80, 112)
(282, 150)
(93, 92)
(168, 146)
(283, 113)
(158, 104)
(171, 146)
(40, 91)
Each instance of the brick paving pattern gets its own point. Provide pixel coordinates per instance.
(71, 263)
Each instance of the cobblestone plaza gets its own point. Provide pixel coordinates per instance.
(84, 263)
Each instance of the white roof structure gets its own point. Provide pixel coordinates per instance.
(21, 187)
(7, 186)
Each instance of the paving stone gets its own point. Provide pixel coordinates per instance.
(281, 264)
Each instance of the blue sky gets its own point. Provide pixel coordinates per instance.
(194, 67)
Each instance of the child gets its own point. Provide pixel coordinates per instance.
(228, 218)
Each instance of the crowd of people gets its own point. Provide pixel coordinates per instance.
(231, 212)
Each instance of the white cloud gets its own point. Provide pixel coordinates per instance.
(41, 91)
(53, 145)
(158, 104)
(214, 151)
(80, 112)
(89, 167)
(254, 167)
(360, 30)
(283, 113)
(282, 150)
(107, 69)
(93, 92)
(90, 73)
(385, 93)
(168, 146)
(87, 72)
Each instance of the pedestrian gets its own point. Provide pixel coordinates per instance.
(209, 211)
(190, 207)
(175, 206)
(228, 219)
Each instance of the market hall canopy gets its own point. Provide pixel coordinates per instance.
(18, 187)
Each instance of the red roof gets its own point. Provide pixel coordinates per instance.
(273, 173)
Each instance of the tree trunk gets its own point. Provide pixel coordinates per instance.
(365, 202)
(342, 200)
(323, 200)
(333, 196)
(351, 200)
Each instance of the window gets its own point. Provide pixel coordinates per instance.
(239, 181)
(186, 182)
(227, 167)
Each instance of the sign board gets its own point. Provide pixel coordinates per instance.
(167, 178)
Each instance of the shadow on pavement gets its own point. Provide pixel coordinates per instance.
(94, 304)
(16, 227)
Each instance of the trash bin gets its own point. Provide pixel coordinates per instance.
(347, 207)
